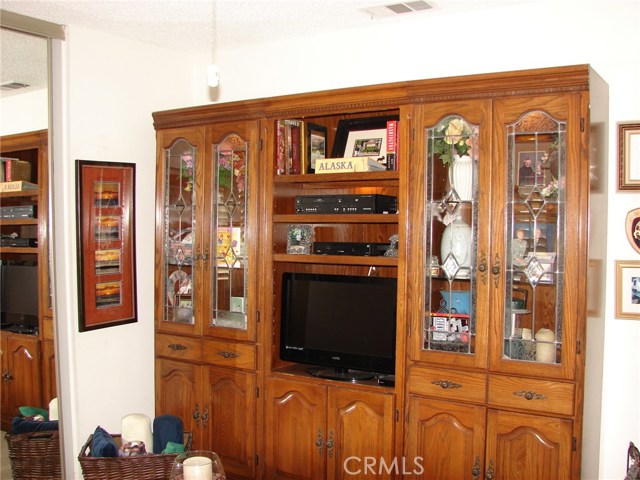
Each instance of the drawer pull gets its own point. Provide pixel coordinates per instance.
(476, 469)
(228, 354)
(529, 395)
(446, 384)
(176, 346)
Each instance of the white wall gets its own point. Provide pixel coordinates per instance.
(111, 86)
(25, 112)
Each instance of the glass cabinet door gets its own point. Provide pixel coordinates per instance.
(535, 208)
(451, 236)
(179, 233)
(229, 229)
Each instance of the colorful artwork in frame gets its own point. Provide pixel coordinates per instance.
(106, 244)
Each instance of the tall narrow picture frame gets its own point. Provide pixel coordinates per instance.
(629, 156)
(106, 244)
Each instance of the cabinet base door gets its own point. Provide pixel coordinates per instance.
(528, 447)
(445, 440)
(295, 431)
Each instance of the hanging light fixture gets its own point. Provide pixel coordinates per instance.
(213, 71)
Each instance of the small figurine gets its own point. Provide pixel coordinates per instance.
(392, 251)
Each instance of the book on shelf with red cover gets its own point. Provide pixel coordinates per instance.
(289, 145)
(15, 169)
(392, 145)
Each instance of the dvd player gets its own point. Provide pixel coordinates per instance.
(364, 203)
(350, 248)
(18, 242)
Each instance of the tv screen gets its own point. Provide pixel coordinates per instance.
(339, 321)
(19, 295)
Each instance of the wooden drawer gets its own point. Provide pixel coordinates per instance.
(229, 354)
(173, 346)
(454, 385)
(546, 396)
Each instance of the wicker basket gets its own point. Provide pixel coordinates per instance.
(151, 466)
(34, 455)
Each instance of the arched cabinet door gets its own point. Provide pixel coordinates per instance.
(449, 188)
(538, 165)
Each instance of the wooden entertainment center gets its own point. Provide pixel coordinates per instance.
(491, 387)
(28, 360)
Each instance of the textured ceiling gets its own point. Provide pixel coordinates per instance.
(187, 24)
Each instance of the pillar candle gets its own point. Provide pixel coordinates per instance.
(197, 468)
(545, 348)
(137, 426)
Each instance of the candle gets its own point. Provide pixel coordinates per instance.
(545, 347)
(197, 468)
(526, 334)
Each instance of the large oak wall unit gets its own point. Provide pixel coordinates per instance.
(490, 307)
(28, 359)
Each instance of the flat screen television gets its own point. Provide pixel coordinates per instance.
(347, 323)
(19, 297)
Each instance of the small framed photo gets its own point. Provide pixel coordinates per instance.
(362, 137)
(530, 171)
(629, 156)
(299, 239)
(628, 289)
(316, 145)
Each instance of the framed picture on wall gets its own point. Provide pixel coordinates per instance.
(628, 289)
(106, 244)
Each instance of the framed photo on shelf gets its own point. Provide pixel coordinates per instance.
(629, 156)
(106, 244)
(628, 289)
(316, 145)
(362, 137)
(299, 239)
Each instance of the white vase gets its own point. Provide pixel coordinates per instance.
(461, 176)
(456, 240)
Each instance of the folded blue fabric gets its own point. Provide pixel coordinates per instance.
(103, 444)
(166, 428)
(25, 425)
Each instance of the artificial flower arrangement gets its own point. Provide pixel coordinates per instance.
(187, 171)
(452, 137)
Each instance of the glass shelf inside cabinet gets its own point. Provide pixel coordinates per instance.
(179, 231)
(452, 238)
(229, 223)
(535, 208)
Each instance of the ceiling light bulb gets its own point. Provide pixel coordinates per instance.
(213, 75)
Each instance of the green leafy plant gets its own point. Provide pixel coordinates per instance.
(451, 137)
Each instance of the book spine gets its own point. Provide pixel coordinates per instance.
(8, 170)
(280, 148)
(392, 145)
(296, 161)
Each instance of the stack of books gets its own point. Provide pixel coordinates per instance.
(15, 175)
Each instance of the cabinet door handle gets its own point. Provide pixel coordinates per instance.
(196, 415)
(495, 270)
(446, 384)
(330, 444)
(489, 474)
(228, 354)
(205, 416)
(482, 267)
(476, 469)
(176, 346)
(529, 395)
(320, 443)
